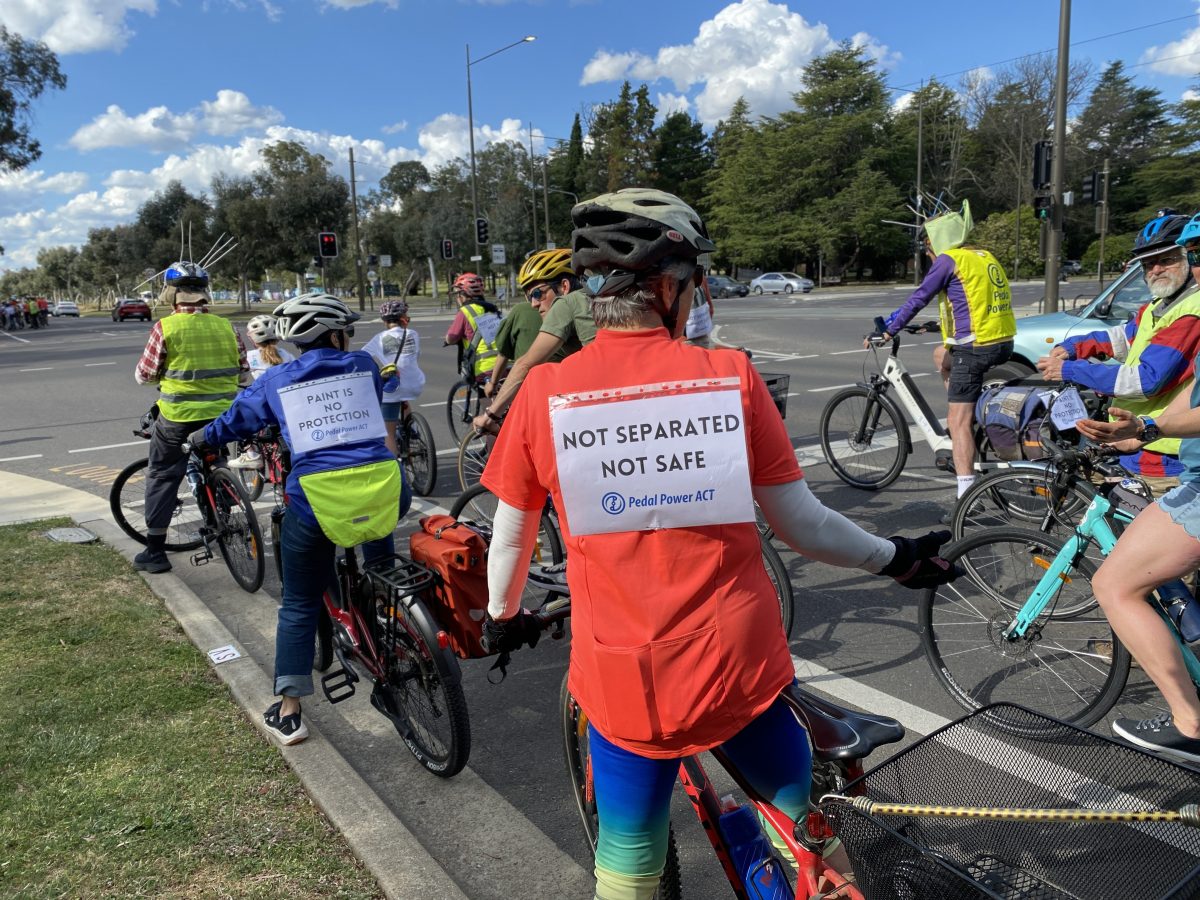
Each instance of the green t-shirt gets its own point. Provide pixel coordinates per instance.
(570, 319)
(518, 330)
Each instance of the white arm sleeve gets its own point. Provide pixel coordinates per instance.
(514, 533)
(809, 527)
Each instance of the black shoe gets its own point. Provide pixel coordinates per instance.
(1160, 735)
(152, 561)
(287, 730)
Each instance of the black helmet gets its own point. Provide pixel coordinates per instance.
(1159, 235)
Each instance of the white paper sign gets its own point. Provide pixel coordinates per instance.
(327, 412)
(1068, 409)
(488, 326)
(653, 456)
(228, 653)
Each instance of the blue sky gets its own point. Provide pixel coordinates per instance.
(162, 89)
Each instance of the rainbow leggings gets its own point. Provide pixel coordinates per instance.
(633, 796)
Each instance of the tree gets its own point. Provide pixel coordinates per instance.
(936, 111)
(27, 69)
(58, 264)
(403, 178)
(682, 160)
(240, 211)
(174, 224)
(998, 234)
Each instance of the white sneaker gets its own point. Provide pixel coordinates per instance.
(250, 459)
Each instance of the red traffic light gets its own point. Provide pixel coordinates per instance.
(327, 244)
(447, 248)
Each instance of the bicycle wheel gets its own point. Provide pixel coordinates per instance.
(862, 440)
(253, 480)
(1019, 498)
(1070, 667)
(323, 657)
(575, 747)
(127, 501)
(276, 546)
(472, 457)
(237, 531)
(419, 457)
(783, 584)
(462, 405)
(430, 708)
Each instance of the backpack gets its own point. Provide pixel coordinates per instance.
(1011, 419)
(457, 554)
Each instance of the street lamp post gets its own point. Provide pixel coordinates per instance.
(471, 133)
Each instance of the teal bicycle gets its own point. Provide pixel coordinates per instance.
(1024, 626)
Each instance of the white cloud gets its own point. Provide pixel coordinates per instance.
(1190, 94)
(1181, 57)
(396, 127)
(161, 130)
(671, 103)
(446, 137)
(353, 4)
(74, 26)
(885, 57)
(752, 48)
(31, 182)
(902, 102)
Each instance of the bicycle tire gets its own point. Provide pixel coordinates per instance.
(277, 551)
(323, 652)
(1080, 686)
(782, 582)
(422, 693)
(1018, 498)
(462, 405)
(575, 749)
(478, 504)
(238, 534)
(253, 480)
(472, 458)
(420, 456)
(126, 500)
(842, 417)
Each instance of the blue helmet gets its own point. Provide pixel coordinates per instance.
(186, 275)
(1159, 234)
(1191, 231)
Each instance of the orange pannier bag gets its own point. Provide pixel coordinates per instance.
(457, 553)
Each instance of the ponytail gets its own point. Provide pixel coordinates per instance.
(270, 353)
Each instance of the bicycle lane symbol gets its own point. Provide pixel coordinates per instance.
(613, 503)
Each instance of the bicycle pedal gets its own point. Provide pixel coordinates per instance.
(202, 558)
(339, 685)
(944, 461)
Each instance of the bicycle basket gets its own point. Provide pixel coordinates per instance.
(1007, 756)
(778, 386)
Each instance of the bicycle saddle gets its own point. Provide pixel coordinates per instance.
(837, 732)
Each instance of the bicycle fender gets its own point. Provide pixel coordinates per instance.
(446, 661)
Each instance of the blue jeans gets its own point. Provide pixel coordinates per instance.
(308, 571)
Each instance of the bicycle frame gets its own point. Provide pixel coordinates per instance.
(896, 375)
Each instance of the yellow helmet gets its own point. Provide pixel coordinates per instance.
(545, 265)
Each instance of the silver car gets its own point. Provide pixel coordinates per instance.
(780, 283)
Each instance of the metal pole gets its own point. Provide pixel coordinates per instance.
(1058, 165)
(358, 269)
(920, 151)
(532, 189)
(545, 202)
(471, 132)
(1017, 250)
(1103, 222)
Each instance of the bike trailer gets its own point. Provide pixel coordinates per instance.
(1002, 759)
(457, 554)
(1011, 419)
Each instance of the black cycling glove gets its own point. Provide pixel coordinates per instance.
(917, 565)
(511, 634)
(197, 441)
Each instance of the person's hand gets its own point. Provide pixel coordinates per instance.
(484, 424)
(198, 442)
(505, 636)
(878, 338)
(489, 388)
(917, 565)
(1059, 352)
(1125, 425)
(1051, 367)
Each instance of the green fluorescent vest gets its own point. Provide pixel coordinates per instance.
(1149, 327)
(201, 378)
(988, 297)
(358, 504)
(485, 353)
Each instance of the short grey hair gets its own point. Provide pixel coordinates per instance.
(626, 309)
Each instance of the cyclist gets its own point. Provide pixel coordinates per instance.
(1156, 348)
(475, 326)
(265, 354)
(344, 487)
(699, 326)
(196, 359)
(975, 308)
(676, 639)
(544, 277)
(397, 349)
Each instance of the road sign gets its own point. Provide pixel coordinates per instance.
(385, 261)
(476, 259)
(498, 254)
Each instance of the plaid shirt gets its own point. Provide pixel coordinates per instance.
(154, 358)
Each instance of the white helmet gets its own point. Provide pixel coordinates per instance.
(303, 319)
(262, 328)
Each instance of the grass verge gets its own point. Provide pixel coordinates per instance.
(126, 769)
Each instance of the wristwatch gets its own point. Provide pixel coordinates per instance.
(1149, 433)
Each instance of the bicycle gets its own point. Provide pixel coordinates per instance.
(473, 453)
(1024, 622)
(275, 463)
(224, 515)
(418, 456)
(865, 437)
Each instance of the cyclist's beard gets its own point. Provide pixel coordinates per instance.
(1168, 283)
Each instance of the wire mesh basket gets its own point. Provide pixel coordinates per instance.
(1007, 756)
(778, 384)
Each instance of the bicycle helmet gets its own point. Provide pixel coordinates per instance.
(1191, 231)
(303, 319)
(632, 231)
(545, 265)
(185, 275)
(1158, 235)
(470, 284)
(262, 328)
(393, 309)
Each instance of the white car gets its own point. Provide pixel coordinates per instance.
(64, 308)
(780, 283)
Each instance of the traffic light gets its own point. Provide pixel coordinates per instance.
(1041, 206)
(372, 260)
(317, 262)
(447, 248)
(327, 244)
(1092, 186)
(481, 230)
(1043, 154)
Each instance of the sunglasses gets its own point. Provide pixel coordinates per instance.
(1164, 262)
(1193, 256)
(536, 295)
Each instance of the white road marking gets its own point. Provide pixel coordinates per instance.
(15, 338)
(111, 333)
(15, 458)
(865, 697)
(844, 352)
(427, 405)
(106, 447)
(832, 387)
(38, 369)
(453, 451)
(93, 365)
